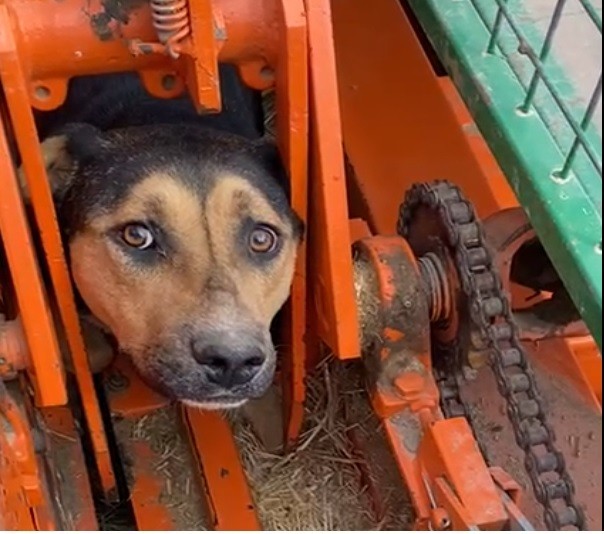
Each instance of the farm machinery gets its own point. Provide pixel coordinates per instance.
(449, 177)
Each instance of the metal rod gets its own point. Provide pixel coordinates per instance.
(593, 14)
(545, 50)
(495, 31)
(589, 112)
(550, 86)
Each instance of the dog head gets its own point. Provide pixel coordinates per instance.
(181, 241)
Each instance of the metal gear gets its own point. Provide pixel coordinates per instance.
(441, 227)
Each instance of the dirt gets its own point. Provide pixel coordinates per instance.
(174, 464)
(578, 432)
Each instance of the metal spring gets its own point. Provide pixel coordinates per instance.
(171, 22)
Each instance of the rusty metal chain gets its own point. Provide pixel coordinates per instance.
(491, 316)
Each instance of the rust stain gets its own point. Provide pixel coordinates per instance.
(106, 24)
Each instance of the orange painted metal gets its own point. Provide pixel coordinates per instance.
(507, 484)
(191, 29)
(359, 229)
(15, 87)
(15, 512)
(130, 397)
(511, 494)
(229, 497)
(499, 194)
(447, 477)
(267, 41)
(146, 490)
(14, 353)
(569, 352)
(201, 58)
(221, 473)
(291, 84)
(401, 123)
(67, 469)
(35, 313)
(58, 40)
(433, 453)
(23, 482)
(332, 290)
(449, 451)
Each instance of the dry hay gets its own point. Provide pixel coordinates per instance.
(173, 464)
(318, 485)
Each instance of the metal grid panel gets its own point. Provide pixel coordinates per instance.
(524, 72)
(514, 33)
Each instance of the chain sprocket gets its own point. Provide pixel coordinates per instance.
(437, 217)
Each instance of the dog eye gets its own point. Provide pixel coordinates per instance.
(263, 240)
(138, 236)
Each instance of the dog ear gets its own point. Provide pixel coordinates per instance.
(63, 153)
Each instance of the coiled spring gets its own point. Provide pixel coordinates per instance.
(171, 22)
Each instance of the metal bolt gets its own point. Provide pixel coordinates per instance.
(117, 382)
(168, 82)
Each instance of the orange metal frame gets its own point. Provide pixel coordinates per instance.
(45, 43)
(447, 478)
(403, 123)
(400, 123)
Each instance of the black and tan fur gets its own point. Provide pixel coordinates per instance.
(193, 311)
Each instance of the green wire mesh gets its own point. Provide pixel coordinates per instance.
(530, 72)
(570, 109)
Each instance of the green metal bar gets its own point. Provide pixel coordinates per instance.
(566, 214)
(530, 53)
(545, 50)
(589, 113)
(545, 106)
(593, 14)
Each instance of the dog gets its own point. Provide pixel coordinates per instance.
(178, 232)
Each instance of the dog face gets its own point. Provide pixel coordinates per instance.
(182, 243)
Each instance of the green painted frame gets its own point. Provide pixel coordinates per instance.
(566, 214)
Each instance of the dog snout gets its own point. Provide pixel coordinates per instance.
(229, 367)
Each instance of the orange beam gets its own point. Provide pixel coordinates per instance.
(69, 472)
(146, 490)
(15, 88)
(291, 85)
(35, 313)
(331, 294)
(229, 497)
(401, 123)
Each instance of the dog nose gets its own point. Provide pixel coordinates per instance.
(229, 367)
